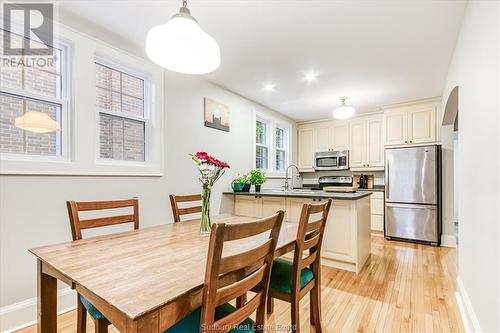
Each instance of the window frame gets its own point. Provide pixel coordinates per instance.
(272, 123)
(148, 106)
(65, 103)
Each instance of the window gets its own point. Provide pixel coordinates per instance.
(33, 105)
(280, 149)
(123, 116)
(271, 145)
(261, 149)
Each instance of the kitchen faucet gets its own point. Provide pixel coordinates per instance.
(287, 186)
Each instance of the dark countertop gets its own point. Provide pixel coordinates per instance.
(306, 194)
(376, 188)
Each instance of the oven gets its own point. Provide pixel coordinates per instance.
(331, 160)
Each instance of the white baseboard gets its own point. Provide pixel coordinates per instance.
(469, 318)
(23, 314)
(448, 240)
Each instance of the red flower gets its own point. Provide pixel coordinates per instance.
(205, 158)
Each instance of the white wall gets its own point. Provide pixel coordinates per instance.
(32, 208)
(475, 69)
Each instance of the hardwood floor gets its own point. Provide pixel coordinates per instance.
(405, 288)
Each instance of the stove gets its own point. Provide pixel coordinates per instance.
(336, 184)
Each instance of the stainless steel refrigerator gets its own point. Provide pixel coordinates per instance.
(413, 194)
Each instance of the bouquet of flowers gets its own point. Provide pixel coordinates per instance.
(211, 169)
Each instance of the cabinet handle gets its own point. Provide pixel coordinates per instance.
(411, 141)
(406, 141)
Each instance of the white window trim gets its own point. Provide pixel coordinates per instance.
(148, 101)
(272, 123)
(66, 48)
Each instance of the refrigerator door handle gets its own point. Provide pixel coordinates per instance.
(387, 181)
(410, 206)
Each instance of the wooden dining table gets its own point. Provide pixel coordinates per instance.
(144, 280)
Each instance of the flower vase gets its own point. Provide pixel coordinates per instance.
(205, 223)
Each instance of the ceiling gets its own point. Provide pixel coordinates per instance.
(374, 52)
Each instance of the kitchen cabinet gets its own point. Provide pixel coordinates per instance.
(322, 135)
(306, 148)
(258, 206)
(367, 150)
(346, 241)
(340, 135)
(411, 124)
(377, 212)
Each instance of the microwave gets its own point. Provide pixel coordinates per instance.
(331, 160)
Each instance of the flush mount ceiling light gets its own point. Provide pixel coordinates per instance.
(343, 111)
(180, 45)
(37, 122)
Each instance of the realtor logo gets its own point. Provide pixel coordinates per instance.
(36, 21)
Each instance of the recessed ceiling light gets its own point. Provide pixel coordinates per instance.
(269, 86)
(310, 76)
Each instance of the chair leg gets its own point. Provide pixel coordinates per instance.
(295, 315)
(81, 316)
(270, 304)
(315, 294)
(101, 325)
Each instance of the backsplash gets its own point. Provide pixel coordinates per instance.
(312, 177)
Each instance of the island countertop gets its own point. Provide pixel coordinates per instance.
(305, 194)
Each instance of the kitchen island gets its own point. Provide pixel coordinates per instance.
(346, 242)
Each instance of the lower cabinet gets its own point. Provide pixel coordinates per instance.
(377, 211)
(346, 242)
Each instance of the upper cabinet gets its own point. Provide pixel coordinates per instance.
(365, 136)
(305, 148)
(367, 150)
(411, 123)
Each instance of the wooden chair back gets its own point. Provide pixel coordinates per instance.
(252, 269)
(177, 211)
(309, 238)
(77, 224)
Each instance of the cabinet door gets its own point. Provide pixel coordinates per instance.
(358, 142)
(322, 137)
(306, 150)
(270, 205)
(294, 208)
(340, 135)
(374, 145)
(339, 235)
(396, 127)
(422, 125)
(248, 205)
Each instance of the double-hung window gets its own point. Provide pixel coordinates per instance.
(123, 113)
(271, 145)
(33, 102)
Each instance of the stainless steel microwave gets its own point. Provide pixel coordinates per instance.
(331, 160)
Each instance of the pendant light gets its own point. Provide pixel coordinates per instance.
(37, 122)
(180, 45)
(343, 111)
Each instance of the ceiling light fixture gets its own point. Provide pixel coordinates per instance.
(343, 111)
(269, 86)
(37, 122)
(180, 45)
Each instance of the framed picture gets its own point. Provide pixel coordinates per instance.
(216, 115)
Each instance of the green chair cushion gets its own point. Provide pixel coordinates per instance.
(191, 323)
(281, 276)
(91, 309)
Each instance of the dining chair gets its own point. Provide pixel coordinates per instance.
(230, 276)
(291, 281)
(178, 211)
(77, 225)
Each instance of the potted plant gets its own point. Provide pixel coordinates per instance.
(257, 178)
(239, 183)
